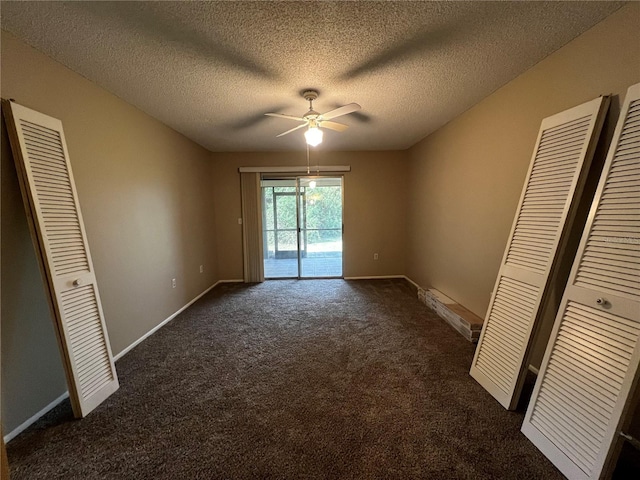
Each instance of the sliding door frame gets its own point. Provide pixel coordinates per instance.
(299, 227)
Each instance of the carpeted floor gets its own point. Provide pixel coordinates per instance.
(326, 379)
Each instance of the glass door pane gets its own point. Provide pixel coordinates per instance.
(279, 228)
(302, 227)
(320, 222)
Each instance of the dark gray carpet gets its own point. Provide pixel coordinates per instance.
(291, 379)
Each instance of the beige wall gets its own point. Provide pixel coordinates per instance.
(466, 179)
(146, 198)
(156, 205)
(374, 207)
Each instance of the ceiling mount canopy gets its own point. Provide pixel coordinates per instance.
(310, 96)
(314, 120)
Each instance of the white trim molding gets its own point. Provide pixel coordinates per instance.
(296, 169)
(411, 281)
(375, 277)
(163, 323)
(27, 423)
(33, 419)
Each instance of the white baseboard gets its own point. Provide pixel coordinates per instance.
(27, 423)
(164, 322)
(411, 281)
(374, 277)
(381, 277)
(233, 280)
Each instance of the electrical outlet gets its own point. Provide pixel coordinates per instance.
(201, 268)
(173, 283)
(375, 256)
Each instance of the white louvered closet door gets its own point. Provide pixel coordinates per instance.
(590, 366)
(550, 197)
(51, 201)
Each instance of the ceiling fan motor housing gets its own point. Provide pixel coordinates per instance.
(310, 95)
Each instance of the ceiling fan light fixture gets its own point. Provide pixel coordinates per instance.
(312, 120)
(313, 136)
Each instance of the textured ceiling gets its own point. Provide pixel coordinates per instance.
(211, 70)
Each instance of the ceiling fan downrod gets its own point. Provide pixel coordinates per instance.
(310, 96)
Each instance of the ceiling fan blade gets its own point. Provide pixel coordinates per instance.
(352, 107)
(288, 117)
(338, 127)
(292, 130)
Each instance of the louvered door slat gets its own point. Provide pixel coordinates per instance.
(600, 250)
(549, 199)
(581, 371)
(577, 408)
(594, 359)
(591, 364)
(50, 197)
(546, 407)
(577, 434)
(623, 181)
(557, 185)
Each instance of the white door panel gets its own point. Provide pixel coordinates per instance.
(548, 205)
(51, 202)
(590, 368)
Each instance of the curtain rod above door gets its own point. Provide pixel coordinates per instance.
(295, 169)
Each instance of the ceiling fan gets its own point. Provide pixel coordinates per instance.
(314, 120)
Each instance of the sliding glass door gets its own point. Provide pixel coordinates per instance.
(302, 227)
(320, 212)
(280, 228)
